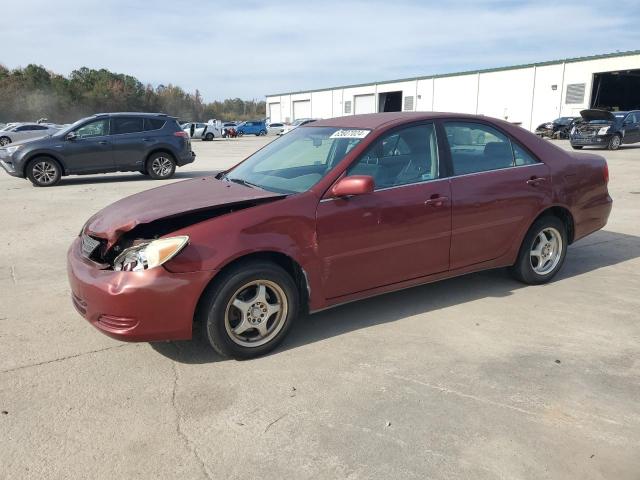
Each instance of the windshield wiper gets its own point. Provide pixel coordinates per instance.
(242, 182)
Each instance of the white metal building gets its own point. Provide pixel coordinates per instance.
(524, 94)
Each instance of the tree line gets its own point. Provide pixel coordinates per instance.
(33, 92)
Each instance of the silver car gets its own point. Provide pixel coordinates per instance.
(19, 132)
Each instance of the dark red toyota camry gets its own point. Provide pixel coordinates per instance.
(334, 211)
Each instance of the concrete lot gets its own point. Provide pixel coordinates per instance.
(477, 377)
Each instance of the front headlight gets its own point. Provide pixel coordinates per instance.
(573, 130)
(149, 254)
(603, 131)
(12, 150)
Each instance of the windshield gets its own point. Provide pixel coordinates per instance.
(563, 120)
(298, 122)
(297, 161)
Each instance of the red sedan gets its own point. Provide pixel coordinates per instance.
(335, 211)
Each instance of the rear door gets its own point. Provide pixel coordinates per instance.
(401, 230)
(129, 145)
(632, 128)
(497, 187)
(90, 151)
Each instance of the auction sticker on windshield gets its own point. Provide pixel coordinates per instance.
(350, 134)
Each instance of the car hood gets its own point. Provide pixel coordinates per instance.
(170, 201)
(595, 114)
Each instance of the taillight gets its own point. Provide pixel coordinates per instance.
(605, 173)
(181, 134)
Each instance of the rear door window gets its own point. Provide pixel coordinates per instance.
(476, 147)
(122, 125)
(153, 124)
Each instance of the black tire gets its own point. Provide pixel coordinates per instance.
(523, 270)
(614, 142)
(161, 165)
(4, 140)
(240, 134)
(211, 317)
(209, 136)
(576, 147)
(44, 172)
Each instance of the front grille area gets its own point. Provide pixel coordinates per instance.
(80, 304)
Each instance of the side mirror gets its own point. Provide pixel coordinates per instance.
(71, 136)
(355, 185)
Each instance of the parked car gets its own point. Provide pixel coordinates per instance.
(255, 127)
(298, 123)
(275, 128)
(335, 211)
(559, 128)
(153, 144)
(606, 129)
(20, 132)
(202, 131)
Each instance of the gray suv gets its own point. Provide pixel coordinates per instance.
(151, 143)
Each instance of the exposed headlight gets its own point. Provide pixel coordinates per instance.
(573, 130)
(149, 254)
(603, 131)
(11, 150)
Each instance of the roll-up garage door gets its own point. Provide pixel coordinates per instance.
(274, 112)
(301, 109)
(364, 104)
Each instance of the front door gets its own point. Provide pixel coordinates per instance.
(91, 150)
(401, 230)
(497, 187)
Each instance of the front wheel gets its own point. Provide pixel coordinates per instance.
(240, 134)
(161, 166)
(4, 141)
(44, 172)
(249, 310)
(614, 143)
(576, 147)
(542, 252)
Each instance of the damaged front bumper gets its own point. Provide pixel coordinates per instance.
(151, 305)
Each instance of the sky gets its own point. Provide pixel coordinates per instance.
(249, 49)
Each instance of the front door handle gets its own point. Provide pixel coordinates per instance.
(436, 201)
(103, 142)
(534, 181)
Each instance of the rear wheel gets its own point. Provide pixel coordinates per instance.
(249, 310)
(209, 137)
(160, 166)
(614, 143)
(44, 172)
(542, 252)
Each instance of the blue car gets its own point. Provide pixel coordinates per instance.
(255, 127)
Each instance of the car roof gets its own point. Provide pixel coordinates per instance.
(132, 114)
(371, 121)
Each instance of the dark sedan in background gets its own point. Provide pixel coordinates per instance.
(601, 128)
(559, 128)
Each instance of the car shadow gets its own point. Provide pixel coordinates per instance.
(129, 177)
(584, 256)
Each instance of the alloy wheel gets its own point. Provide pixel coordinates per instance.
(44, 172)
(256, 313)
(161, 166)
(546, 251)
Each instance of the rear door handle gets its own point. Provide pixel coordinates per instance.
(533, 181)
(103, 142)
(436, 201)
